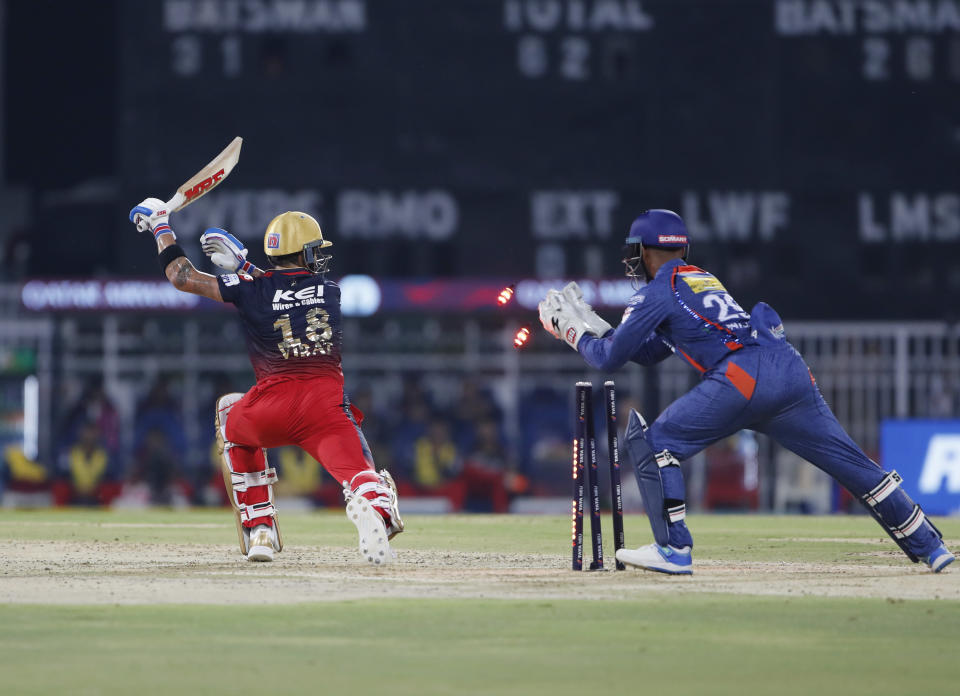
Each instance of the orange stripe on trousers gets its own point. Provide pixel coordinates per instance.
(741, 379)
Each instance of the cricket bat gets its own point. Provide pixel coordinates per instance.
(206, 179)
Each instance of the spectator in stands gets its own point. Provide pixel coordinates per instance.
(301, 476)
(87, 474)
(545, 440)
(473, 406)
(436, 459)
(160, 444)
(489, 474)
(94, 406)
(159, 412)
(376, 427)
(157, 467)
(436, 466)
(414, 419)
(26, 481)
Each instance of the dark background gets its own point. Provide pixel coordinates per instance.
(668, 104)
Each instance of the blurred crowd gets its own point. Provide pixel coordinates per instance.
(449, 452)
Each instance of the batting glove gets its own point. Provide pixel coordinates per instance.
(226, 251)
(152, 215)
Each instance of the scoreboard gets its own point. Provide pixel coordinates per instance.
(811, 145)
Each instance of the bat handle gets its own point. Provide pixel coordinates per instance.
(177, 202)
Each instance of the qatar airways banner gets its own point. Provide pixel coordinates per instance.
(361, 295)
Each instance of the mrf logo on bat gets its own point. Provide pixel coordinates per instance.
(209, 182)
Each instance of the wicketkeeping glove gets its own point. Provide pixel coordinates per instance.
(597, 325)
(151, 214)
(561, 320)
(226, 251)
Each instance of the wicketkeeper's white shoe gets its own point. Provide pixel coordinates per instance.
(663, 559)
(263, 542)
(374, 545)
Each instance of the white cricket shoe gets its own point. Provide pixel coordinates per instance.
(663, 559)
(396, 522)
(263, 542)
(374, 545)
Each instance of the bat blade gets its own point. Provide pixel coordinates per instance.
(207, 178)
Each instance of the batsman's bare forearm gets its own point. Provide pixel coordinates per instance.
(183, 276)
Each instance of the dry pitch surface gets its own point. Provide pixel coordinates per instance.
(191, 558)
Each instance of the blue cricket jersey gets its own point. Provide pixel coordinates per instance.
(683, 309)
(292, 321)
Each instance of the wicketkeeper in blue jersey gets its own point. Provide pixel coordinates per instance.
(751, 378)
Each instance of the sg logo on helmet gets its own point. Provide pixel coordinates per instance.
(273, 240)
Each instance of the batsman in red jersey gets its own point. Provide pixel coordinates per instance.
(292, 320)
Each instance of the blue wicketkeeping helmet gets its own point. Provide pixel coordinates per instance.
(653, 228)
(659, 228)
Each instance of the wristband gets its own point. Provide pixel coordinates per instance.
(169, 255)
(247, 267)
(161, 228)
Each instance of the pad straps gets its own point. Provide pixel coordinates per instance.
(252, 512)
(912, 524)
(243, 481)
(882, 491)
(664, 458)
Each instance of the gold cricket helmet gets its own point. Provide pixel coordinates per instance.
(290, 232)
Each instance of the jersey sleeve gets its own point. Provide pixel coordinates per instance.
(652, 351)
(232, 287)
(643, 314)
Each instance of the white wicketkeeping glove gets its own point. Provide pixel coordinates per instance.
(574, 295)
(152, 214)
(549, 309)
(225, 250)
(561, 320)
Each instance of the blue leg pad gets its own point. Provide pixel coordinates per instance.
(661, 486)
(901, 518)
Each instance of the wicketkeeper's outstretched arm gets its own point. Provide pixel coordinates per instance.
(152, 214)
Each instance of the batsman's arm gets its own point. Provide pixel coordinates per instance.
(181, 273)
(152, 214)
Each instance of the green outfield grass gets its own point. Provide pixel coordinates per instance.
(685, 644)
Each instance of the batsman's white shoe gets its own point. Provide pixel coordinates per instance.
(374, 545)
(663, 559)
(263, 542)
(396, 522)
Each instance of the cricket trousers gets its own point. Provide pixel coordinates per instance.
(313, 414)
(769, 389)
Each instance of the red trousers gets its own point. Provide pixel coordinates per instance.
(309, 413)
